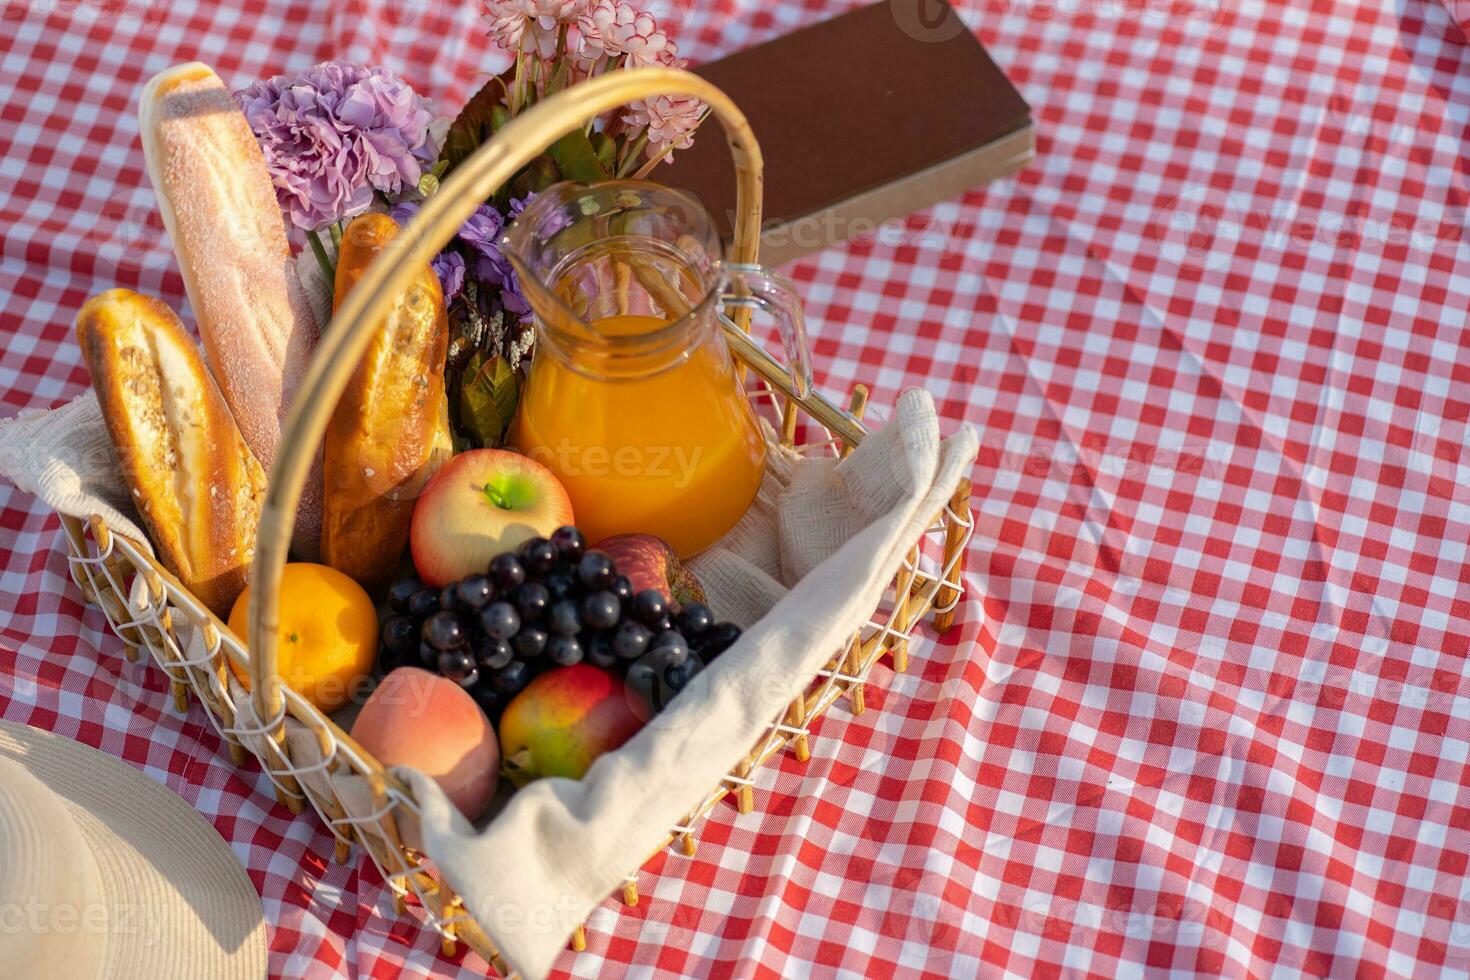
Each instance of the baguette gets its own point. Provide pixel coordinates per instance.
(192, 477)
(390, 431)
(254, 316)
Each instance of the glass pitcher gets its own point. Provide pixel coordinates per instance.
(633, 399)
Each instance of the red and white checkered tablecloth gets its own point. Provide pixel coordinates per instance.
(1206, 709)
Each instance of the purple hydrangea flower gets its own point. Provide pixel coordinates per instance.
(449, 267)
(403, 211)
(481, 234)
(334, 134)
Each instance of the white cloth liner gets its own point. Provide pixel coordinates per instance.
(804, 569)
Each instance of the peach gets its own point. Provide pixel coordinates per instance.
(651, 563)
(563, 721)
(426, 722)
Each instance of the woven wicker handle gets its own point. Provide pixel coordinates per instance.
(520, 141)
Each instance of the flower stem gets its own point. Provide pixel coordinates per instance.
(320, 251)
(631, 152)
(647, 168)
(335, 230)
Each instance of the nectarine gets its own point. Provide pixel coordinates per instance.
(423, 721)
(562, 722)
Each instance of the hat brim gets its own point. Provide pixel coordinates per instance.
(179, 904)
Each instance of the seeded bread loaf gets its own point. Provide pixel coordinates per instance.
(193, 480)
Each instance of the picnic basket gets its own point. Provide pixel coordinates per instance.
(147, 607)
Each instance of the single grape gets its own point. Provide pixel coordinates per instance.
(458, 666)
(488, 699)
(717, 639)
(507, 572)
(538, 556)
(529, 642)
(511, 678)
(664, 624)
(599, 651)
(622, 587)
(694, 619)
(492, 653)
(631, 639)
(564, 618)
(563, 650)
(400, 635)
(423, 603)
(669, 648)
(474, 592)
(531, 601)
(500, 620)
(650, 607)
(596, 570)
(601, 610)
(449, 597)
(561, 583)
(569, 542)
(443, 631)
(402, 591)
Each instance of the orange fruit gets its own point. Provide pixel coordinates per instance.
(328, 638)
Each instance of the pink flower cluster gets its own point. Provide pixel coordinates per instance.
(602, 35)
(613, 28)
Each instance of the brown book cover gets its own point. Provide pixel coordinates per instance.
(870, 115)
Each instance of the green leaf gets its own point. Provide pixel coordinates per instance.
(576, 159)
(488, 394)
(606, 149)
(474, 124)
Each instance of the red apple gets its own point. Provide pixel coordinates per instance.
(562, 722)
(428, 723)
(650, 562)
(480, 504)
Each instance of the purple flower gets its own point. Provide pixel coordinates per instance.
(334, 134)
(481, 256)
(482, 228)
(449, 267)
(403, 211)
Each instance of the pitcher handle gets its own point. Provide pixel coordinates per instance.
(756, 287)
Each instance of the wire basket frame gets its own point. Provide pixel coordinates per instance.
(147, 608)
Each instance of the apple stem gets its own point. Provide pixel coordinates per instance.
(496, 497)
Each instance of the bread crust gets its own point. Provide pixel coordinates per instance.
(192, 478)
(255, 319)
(390, 431)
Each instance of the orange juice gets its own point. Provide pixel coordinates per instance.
(676, 453)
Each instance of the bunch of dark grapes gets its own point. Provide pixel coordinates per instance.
(550, 603)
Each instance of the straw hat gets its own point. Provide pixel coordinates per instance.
(106, 874)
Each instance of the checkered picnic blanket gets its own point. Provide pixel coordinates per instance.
(1205, 708)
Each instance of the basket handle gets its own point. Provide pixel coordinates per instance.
(516, 144)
